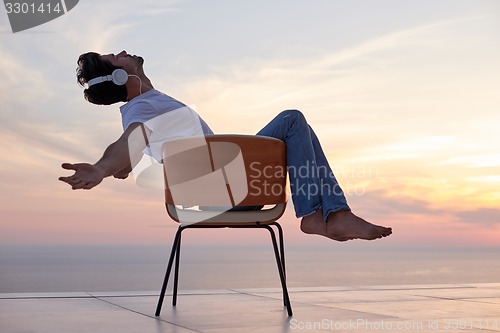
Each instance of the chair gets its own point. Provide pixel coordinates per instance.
(225, 181)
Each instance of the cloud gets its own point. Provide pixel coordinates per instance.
(482, 216)
(15, 74)
(416, 37)
(381, 203)
(410, 81)
(32, 115)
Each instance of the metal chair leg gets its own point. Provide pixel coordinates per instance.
(282, 251)
(286, 299)
(281, 244)
(167, 273)
(176, 271)
(279, 253)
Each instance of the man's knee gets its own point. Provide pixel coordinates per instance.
(294, 114)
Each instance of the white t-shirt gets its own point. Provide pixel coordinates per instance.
(165, 117)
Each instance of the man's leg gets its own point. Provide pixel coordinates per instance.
(305, 182)
(316, 194)
(342, 224)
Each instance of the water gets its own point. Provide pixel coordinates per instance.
(28, 269)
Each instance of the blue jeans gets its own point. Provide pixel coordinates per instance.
(312, 182)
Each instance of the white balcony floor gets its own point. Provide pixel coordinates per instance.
(415, 308)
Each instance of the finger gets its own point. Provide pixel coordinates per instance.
(78, 185)
(66, 180)
(88, 186)
(68, 166)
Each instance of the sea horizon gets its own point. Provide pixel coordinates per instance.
(93, 268)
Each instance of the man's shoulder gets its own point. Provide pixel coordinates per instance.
(141, 99)
(150, 105)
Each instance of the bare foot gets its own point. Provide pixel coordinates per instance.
(342, 226)
(314, 224)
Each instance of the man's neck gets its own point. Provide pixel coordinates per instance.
(137, 86)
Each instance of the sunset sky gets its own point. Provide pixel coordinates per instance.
(404, 95)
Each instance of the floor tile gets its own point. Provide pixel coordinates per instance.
(417, 308)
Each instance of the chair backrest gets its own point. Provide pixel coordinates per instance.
(225, 170)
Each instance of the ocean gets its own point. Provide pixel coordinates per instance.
(33, 269)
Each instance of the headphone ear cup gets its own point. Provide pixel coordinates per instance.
(120, 77)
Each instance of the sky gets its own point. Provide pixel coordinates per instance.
(404, 96)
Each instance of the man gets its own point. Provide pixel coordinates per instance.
(120, 78)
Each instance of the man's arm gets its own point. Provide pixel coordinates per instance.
(123, 174)
(115, 160)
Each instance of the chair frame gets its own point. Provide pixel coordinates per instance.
(279, 253)
(262, 220)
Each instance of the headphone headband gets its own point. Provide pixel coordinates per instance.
(119, 77)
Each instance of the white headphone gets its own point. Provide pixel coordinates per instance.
(119, 77)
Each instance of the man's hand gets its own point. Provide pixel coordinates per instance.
(85, 177)
(116, 160)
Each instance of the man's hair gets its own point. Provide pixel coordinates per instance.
(90, 65)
